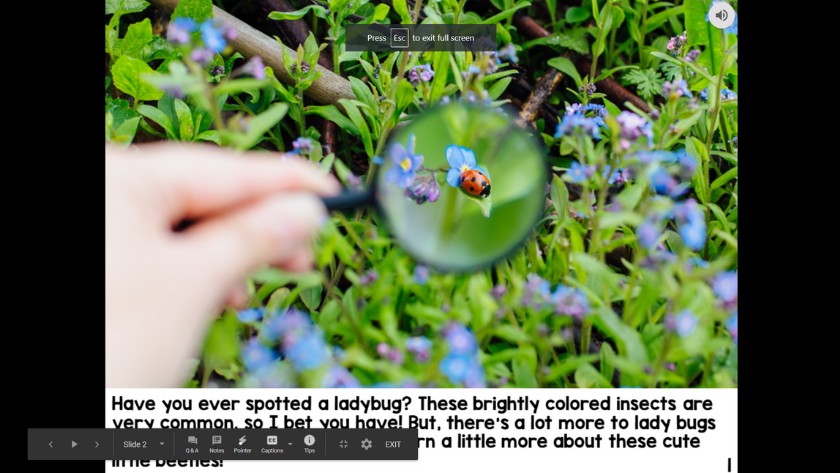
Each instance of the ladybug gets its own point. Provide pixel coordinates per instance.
(475, 182)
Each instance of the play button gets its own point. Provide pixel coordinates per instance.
(73, 444)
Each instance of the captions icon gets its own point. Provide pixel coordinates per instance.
(271, 440)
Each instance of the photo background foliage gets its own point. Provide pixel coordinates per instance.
(628, 280)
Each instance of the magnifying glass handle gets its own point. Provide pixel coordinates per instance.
(349, 200)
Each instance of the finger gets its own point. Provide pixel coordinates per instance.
(300, 262)
(274, 229)
(196, 180)
(237, 298)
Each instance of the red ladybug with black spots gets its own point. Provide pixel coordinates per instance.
(475, 182)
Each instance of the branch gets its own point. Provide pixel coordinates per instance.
(615, 91)
(328, 89)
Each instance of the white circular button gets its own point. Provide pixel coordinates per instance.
(722, 15)
(309, 439)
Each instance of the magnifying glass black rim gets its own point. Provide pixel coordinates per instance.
(376, 201)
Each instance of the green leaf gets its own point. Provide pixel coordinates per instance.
(576, 40)
(702, 33)
(402, 10)
(566, 66)
(126, 73)
(198, 10)
(724, 178)
(137, 36)
(357, 119)
(331, 113)
(648, 82)
(311, 297)
(586, 376)
(125, 132)
(627, 339)
(318, 11)
(209, 135)
(499, 88)
(258, 126)
(184, 114)
(577, 14)
(499, 17)
(155, 115)
(559, 198)
(405, 95)
(125, 6)
(362, 92)
(222, 344)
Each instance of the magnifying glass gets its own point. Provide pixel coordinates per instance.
(460, 187)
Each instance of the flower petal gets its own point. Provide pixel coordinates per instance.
(455, 156)
(469, 157)
(416, 161)
(453, 177)
(397, 153)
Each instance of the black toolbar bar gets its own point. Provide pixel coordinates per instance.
(223, 444)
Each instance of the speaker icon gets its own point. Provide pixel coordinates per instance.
(722, 15)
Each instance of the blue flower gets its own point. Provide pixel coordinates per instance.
(179, 29)
(460, 339)
(692, 224)
(648, 233)
(421, 274)
(676, 89)
(570, 123)
(213, 36)
(286, 327)
(339, 377)
(725, 286)
(732, 325)
(537, 291)
(423, 73)
(509, 53)
(405, 162)
(664, 183)
(569, 301)
(684, 323)
(455, 367)
(578, 173)
(308, 352)
(460, 160)
(424, 189)
(253, 314)
(255, 355)
(420, 347)
(734, 28)
(473, 69)
(302, 145)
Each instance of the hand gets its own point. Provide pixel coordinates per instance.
(162, 287)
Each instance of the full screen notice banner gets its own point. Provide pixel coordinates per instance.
(491, 430)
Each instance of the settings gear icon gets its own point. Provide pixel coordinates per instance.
(367, 444)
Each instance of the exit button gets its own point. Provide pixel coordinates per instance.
(399, 38)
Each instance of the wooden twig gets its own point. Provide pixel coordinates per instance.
(615, 91)
(328, 89)
(542, 91)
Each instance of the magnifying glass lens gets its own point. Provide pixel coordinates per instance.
(461, 186)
